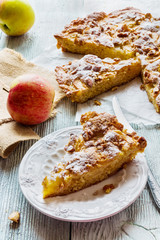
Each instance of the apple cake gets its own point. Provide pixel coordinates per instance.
(151, 82)
(120, 34)
(100, 151)
(124, 34)
(85, 78)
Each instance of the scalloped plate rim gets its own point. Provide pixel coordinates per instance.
(69, 219)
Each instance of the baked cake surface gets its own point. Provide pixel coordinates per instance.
(100, 151)
(122, 33)
(85, 78)
(151, 81)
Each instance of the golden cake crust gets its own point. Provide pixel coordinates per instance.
(100, 151)
(122, 33)
(85, 78)
(151, 81)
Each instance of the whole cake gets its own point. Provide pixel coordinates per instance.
(124, 34)
(100, 151)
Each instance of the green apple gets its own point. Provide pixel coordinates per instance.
(30, 99)
(16, 17)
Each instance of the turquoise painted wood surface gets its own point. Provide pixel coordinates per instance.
(142, 219)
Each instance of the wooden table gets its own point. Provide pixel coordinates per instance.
(141, 220)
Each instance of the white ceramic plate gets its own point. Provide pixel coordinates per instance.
(89, 204)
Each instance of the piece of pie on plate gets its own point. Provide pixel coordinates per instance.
(85, 78)
(100, 151)
(122, 33)
(151, 82)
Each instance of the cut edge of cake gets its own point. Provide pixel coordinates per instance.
(151, 82)
(83, 83)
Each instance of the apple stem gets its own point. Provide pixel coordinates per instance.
(6, 27)
(5, 90)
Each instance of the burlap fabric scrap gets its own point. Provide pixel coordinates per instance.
(12, 65)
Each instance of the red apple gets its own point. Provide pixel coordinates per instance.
(30, 99)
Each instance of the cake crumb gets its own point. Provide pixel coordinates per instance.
(114, 89)
(14, 216)
(108, 188)
(96, 102)
(142, 87)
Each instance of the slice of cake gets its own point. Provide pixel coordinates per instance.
(100, 151)
(151, 81)
(85, 78)
(122, 34)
